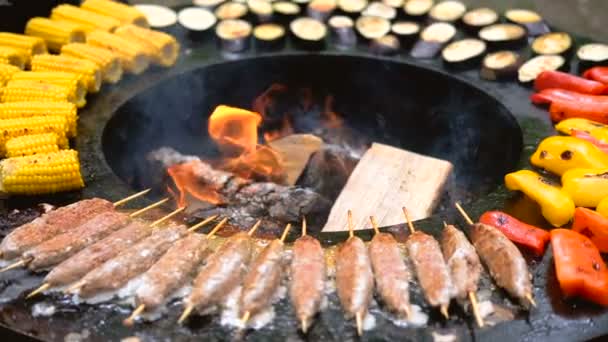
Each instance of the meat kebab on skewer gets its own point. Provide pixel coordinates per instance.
(308, 276)
(503, 259)
(431, 269)
(56, 222)
(172, 270)
(464, 265)
(354, 277)
(264, 277)
(222, 273)
(391, 272)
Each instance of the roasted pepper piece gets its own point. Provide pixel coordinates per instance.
(556, 205)
(562, 80)
(533, 238)
(559, 154)
(549, 96)
(588, 137)
(596, 129)
(599, 73)
(586, 187)
(602, 207)
(579, 267)
(593, 225)
(562, 110)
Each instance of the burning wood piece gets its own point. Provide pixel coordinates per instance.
(294, 152)
(399, 177)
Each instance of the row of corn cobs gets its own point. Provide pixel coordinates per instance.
(45, 75)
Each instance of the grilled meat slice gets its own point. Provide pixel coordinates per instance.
(51, 224)
(78, 265)
(172, 271)
(392, 275)
(431, 270)
(354, 278)
(116, 272)
(463, 261)
(307, 278)
(63, 246)
(504, 261)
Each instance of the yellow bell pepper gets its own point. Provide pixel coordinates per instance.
(586, 187)
(602, 207)
(559, 154)
(597, 130)
(556, 205)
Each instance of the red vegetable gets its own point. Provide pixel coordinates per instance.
(547, 96)
(599, 73)
(593, 225)
(595, 111)
(531, 237)
(562, 80)
(579, 267)
(586, 136)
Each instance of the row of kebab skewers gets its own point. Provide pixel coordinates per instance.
(93, 251)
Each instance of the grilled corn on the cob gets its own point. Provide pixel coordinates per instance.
(88, 20)
(19, 91)
(12, 128)
(41, 173)
(125, 13)
(28, 45)
(67, 79)
(31, 144)
(133, 56)
(163, 48)
(55, 33)
(12, 56)
(106, 60)
(15, 110)
(87, 70)
(6, 73)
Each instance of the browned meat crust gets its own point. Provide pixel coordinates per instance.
(172, 271)
(116, 272)
(462, 260)
(307, 278)
(78, 265)
(63, 246)
(504, 261)
(51, 224)
(222, 273)
(392, 275)
(354, 278)
(431, 270)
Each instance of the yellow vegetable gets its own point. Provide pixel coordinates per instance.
(24, 91)
(106, 60)
(31, 144)
(12, 56)
(125, 13)
(597, 130)
(6, 73)
(86, 70)
(559, 154)
(162, 48)
(602, 207)
(586, 187)
(70, 80)
(29, 46)
(55, 33)
(17, 110)
(133, 56)
(556, 205)
(89, 21)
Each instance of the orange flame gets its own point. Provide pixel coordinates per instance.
(235, 130)
(187, 182)
(331, 119)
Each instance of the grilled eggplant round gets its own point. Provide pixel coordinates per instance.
(198, 22)
(503, 36)
(417, 9)
(432, 39)
(342, 31)
(464, 53)
(233, 35)
(448, 11)
(269, 37)
(406, 31)
(590, 55)
(285, 11)
(352, 8)
(308, 33)
(388, 45)
(370, 27)
(478, 18)
(394, 3)
(231, 10)
(554, 43)
(158, 16)
(321, 9)
(261, 10)
(532, 21)
(378, 9)
(533, 67)
(209, 4)
(500, 65)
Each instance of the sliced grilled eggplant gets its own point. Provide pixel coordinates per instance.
(198, 22)
(448, 11)
(342, 31)
(478, 18)
(388, 45)
(302, 3)
(308, 33)
(158, 16)
(285, 11)
(231, 10)
(417, 9)
(590, 55)
(233, 35)
(321, 9)
(269, 37)
(554, 43)
(261, 10)
(378, 9)
(370, 27)
(533, 67)
(352, 8)
(208, 4)
(464, 53)
(397, 4)
(406, 31)
(503, 36)
(501, 65)
(532, 21)
(432, 39)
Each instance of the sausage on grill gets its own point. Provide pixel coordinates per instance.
(307, 278)
(463, 261)
(354, 278)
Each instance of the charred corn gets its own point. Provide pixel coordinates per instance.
(132, 55)
(12, 128)
(106, 60)
(86, 70)
(29, 46)
(12, 56)
(16, 110)
(124, 13)
(31, 144)
(6, 73)
(70, 80)
(41, 173)
(20, 91)
(55, 33)
(162, 48)
(88, 20)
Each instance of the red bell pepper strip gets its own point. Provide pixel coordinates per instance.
(599, 73)
(533, 238)
(561, 110)
(562, 80)
(593, 225)
(579, 267)
(586, 136)
(548, 96)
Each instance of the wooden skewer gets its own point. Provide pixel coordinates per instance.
(168, 216)
(75, 286)
(132, 197)
(351, 231)
(245, 318)
(351, 234)
(16, 264)
(303, 225)
(185, 314)
(40, 289)
(207, 220)
(475, 307)
(131, 319)
(359, 321)
(304, 325)
(407, 218)
(444, 311)
(463, 213)
(285, 232)
(530, 299)
(254, 228)
(151, 206)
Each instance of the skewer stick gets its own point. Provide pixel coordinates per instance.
(359, 321)
(131, 319)
(374, 225)
(254, 228)
(204, 222)
(151, 206)
(285, 232)
(40, 289)
(463, 213)
(304, 324)
(16, 264)
(475, 306)
(303, 225)
(217, 227)
(351, 232)
(132, 197)
(407, 218)
(75, 286)
(444, 311)
(187, 311)
(168, 216)
(530, 299)
(245, 318)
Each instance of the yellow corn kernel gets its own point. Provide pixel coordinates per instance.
(29, 46)
(87, 70)
(12, 56)
(55, 33)
(19, 91)
(6, 73)
(124, 13)
(132, 55)
(41, 173)
(15, 110)
(106, 60)
(31, 144)
(67, 79)
(11, 128)
(162, 47)
(88, 20)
